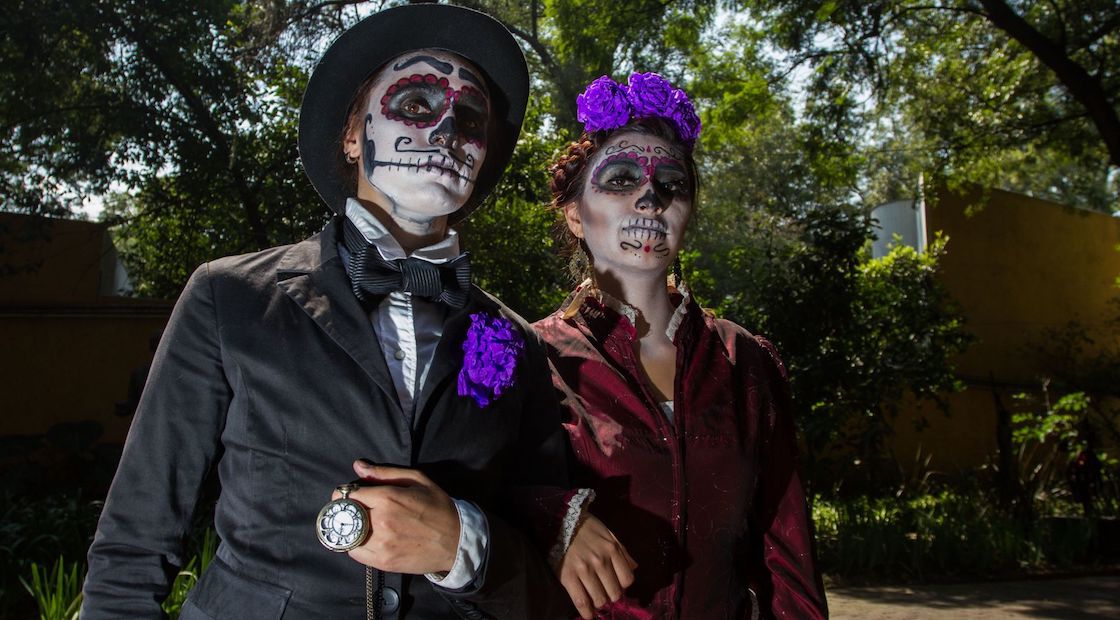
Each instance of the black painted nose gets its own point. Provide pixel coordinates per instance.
(650, 201)
(446, 134)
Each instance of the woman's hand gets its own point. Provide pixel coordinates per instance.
(596, 568)
(415, 526)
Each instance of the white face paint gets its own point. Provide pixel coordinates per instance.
(635, 206)
(423, 136)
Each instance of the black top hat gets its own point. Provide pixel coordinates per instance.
(364, 48)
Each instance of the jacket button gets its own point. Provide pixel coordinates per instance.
(390, 600)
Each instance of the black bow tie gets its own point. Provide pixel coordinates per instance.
(373, 277)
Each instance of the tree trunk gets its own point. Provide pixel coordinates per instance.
(1086, 89)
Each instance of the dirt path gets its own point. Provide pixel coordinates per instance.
(1096, 597)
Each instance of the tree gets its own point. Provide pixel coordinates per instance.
(166, 104)
(571, 42)
(1022, 95)
(780, 245)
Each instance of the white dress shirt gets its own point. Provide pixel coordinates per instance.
(409, 329)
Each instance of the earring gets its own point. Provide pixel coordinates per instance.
(351, 159)
(579, 264)
(677, 272)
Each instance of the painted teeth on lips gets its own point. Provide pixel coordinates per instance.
(439, 164)
(645, 224)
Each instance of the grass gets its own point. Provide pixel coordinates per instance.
(57, 591)
(190, 574)
(35, 532)
(58, 528)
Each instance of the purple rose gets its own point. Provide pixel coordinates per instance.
(684, 117)
(490, 354)
(650, 94)
(603, 105)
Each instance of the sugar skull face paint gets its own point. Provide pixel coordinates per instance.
(423, 139)
(627, 166)
(636, 204)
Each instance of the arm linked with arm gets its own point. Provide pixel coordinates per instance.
(516, 581)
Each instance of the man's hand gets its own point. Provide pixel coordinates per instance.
(415, 526)
(596, 568)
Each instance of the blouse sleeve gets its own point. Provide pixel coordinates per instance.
(785, 578)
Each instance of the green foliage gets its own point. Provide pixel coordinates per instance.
(1058, 423)
(510, 237)
(36, 530)
(571, 42)
(57, 591)
(165, 106)
(189, 575)
(857, 333)
(1060, 453)
(953, 91)
(947, 534)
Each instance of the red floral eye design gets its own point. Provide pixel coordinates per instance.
(417, 100)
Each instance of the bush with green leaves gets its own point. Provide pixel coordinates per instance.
(1060, 453)
(950, 534)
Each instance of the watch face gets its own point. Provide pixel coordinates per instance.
(341, 525)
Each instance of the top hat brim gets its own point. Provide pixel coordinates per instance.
(365, 47)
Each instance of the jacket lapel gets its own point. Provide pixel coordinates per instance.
(443, 374)
(312, 275)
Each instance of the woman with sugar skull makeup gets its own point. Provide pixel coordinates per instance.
(363, 350)
(680, 422)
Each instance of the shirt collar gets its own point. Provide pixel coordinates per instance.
(376, 233)
(587, 289)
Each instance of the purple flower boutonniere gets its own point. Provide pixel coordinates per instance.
(490, 353)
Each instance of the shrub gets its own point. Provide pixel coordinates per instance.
(949, 534)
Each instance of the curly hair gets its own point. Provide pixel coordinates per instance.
(568, 175)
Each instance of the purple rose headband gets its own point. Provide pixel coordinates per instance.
(606, 104)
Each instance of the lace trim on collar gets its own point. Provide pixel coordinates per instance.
(678, 314)
(588, 289)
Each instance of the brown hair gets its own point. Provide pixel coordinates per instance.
(569, 175)
(353, 121)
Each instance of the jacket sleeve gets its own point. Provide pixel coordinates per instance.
(785, 578)
(138, 546)
(516, 581)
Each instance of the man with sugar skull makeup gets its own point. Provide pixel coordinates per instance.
(363, 350)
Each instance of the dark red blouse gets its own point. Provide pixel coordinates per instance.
(710, 505)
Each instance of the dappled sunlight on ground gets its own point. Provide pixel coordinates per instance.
(1077, 598)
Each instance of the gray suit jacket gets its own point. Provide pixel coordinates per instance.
(270, 372)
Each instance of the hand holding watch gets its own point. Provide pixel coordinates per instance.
(343, 524)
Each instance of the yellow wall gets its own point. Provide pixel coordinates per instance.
(71, 367)
(1017, 266)
(47, 259)
(66, 353)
